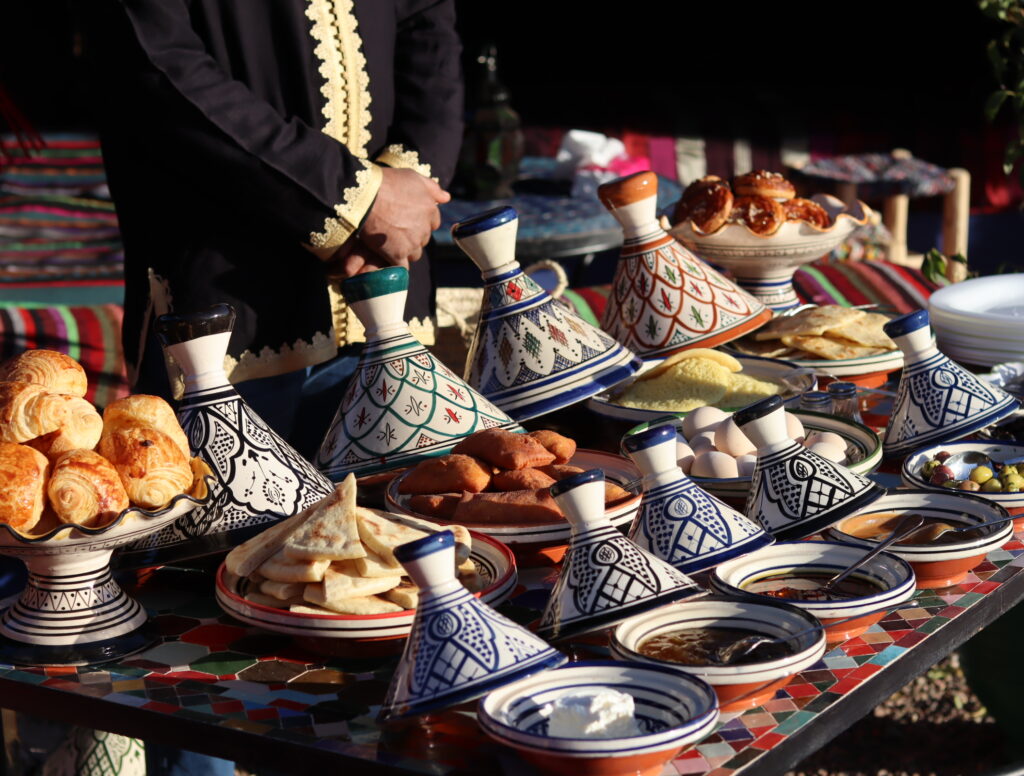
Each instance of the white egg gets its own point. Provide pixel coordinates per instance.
(832, 438)
(794, 427)
(702, 419)
(746, 464)
(684, 456)
(831, 452)
(702, 442)
(714, 464)
(729, 439)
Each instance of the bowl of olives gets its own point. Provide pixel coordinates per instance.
(1003, 484)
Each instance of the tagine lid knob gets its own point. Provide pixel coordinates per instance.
(581, 499)
(175, 328)
(378, 298)
(653, 450)
(489, 238)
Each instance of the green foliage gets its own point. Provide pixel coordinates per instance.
(935, 263)
(1006, 56)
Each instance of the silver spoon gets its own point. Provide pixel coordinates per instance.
(741, 647)
(929, 533)
(973, 459)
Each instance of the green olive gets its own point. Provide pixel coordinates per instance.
(981, 474)
(1008, 470)
(1013, 481)
(992, 486)
(1012, 489)
(953, 484)
(928, 468)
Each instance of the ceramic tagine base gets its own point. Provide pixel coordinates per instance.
(260, 478)
(72, 611)
(530, 355)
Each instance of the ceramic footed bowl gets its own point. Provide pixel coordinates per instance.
(884, 582)
(863, 447)
(72, 612)
(738, 686)
(944, 562)
(493, 560)
(764, 264)
(673, 710)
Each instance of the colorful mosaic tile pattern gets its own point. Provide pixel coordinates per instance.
(210, 669)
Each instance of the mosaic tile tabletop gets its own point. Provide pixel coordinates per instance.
(210, 669)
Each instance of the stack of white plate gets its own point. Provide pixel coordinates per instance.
(980, 321)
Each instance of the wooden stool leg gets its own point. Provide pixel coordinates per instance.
(956, 210)
(894, 216)
(847, 192)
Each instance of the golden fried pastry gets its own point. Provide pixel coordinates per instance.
(559, 471)
(613, 492)
(759, 214)
(505, 449)
(152, 467)
(800, 209)
(521, 479)
(23, 473)
(762, 183)
(447, 474)
(514, 506)
(562, 447)
(28, 410)
(440, 505)
(707, 202)
(55, 371)
(85, 489)
(141, 409)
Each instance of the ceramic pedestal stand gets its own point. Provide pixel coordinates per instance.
(72, 612)
(678, 521)
(530, 355)
(605, 577)
(401, 405)
(663, 298)
(459, 648)
(794, 492)
(260, 478)
(937, 399)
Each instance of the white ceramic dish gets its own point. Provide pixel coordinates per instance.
(616, 468)
(672, 709)
(739, 686)
(938, 564)
(910, 472)
(493, 560)
(890, 575)
(796, 380)
(863, 444)
(996, 300)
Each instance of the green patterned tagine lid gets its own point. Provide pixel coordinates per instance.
(402, 405)
(530, 354)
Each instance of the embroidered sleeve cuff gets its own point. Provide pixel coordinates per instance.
(350, 212)
(396, 155)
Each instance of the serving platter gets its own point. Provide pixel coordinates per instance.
(796, 379)
(493, 560)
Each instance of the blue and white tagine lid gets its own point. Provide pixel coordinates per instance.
(937, 399)
(794, 492)
(605, 577)
(530, 354)
(678, 521)
(401, 405)
(459, 648)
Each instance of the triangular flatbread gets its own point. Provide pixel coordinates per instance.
(282, 590)
(244, 559)
(814, 321)
(865, 331)
(360, 605)
(271, 601)
(330, 532)
(373, 565)
(383, 532)
(281, 568)
(831, 349)
(342, 580)
(406, 595)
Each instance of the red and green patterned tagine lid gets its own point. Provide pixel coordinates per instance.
(402, 405)
(663, 298)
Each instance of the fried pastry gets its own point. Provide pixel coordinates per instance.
(559, 471)
(505, 449)
(760, 215)
(85, 489)
(562, 447)
(521, 479)
(439, 505)
(23, 473)
(152, 467)
(762, 183)
(707, 202)
(800, 209)
(511, 507)
(614, 492)
(55, 371)
(447, 474)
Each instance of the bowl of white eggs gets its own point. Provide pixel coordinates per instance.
(719, 457)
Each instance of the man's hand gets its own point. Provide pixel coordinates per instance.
(354, 259)
(402, 217)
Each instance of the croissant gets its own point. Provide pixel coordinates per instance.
(85, 488)
(144, 410)
(151, 466)
(28, 411)
(22, 485)
(55, 371)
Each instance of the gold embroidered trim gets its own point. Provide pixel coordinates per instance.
(288, 358)
(346, 84)
(355, 202)
(396, 155)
